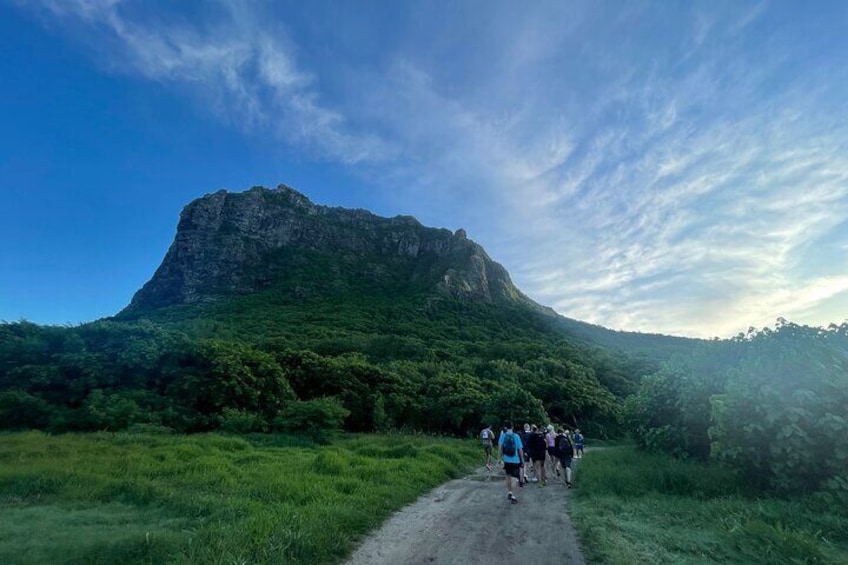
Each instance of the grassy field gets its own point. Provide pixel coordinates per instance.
(631, 507)
(142, 498)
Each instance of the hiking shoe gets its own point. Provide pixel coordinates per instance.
(511, 498)
(569, 485)
(557, 472)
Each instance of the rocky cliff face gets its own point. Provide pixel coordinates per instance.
(236, 243)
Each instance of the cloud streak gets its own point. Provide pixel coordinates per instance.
(230, 61)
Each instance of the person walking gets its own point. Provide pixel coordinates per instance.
(511, 451)
(538, 453)
(550, 440)
(487, 437)
(565, 451)
(526, 464)
(578, 444)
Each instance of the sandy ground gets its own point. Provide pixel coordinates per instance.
(469, 521)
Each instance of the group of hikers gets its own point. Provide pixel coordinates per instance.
(533, 450)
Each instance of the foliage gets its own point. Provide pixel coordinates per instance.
(784, 406)
(395, 360)
(766, 403)
(670, 412)
(215, 376)
(316, 418)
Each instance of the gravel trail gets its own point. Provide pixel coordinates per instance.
(470, 521)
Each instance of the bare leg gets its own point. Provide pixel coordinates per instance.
(540, 470)
(509, 495)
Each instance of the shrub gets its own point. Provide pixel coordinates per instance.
(241, 422)
(316, 417)
(21, 410)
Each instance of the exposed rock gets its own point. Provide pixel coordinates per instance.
(232, 243)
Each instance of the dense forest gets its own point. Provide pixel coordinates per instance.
(250, 365)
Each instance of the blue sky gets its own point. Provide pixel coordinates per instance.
(674, 167)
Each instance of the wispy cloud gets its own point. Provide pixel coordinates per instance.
(230, 60)
(670, 172)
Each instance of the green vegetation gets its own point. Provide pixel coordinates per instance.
(399, 361)
(634, 507)
(208, 498)
(769, 404)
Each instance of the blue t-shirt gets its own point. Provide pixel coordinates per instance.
(518, 445)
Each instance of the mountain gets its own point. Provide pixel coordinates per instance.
(231, 244)
(236, 253)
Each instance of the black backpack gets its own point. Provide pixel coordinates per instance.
(508, 446)
(536, 443)
(564, 447)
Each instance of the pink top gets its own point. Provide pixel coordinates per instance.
(551, 437)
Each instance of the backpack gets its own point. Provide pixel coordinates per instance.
(485, 434)
(537, 444)
(508, 446)
(563, 445)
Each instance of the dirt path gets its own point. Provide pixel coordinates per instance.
(469, 521)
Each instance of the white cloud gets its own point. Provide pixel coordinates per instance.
(237, 64)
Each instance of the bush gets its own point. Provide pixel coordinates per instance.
(316, 417)
(20, 410)
(241, 422)
(783, 407)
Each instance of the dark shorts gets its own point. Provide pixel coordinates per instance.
(565, 462)
(538, 456)
(512, 469)
(552, 452)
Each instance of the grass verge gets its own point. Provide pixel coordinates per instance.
(632, 507)
(141, 498)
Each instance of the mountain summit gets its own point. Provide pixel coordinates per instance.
(230, 244)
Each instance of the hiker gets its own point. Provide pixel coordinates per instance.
(487, 436)
(525, 462)
(511, 451)
(565, 451)
(578, 444)
(538, 453)
(550, 440)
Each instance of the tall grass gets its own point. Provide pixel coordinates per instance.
(632, 507)
(126, 498)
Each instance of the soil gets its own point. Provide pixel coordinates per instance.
(470, 521)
